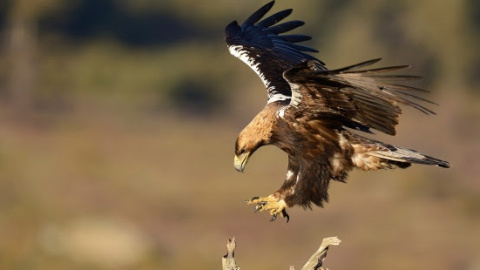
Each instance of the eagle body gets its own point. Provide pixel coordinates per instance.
(316, 115)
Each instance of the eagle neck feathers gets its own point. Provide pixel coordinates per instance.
(262, 126)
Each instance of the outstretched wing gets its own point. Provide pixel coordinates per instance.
(360, 99)
(260, 45)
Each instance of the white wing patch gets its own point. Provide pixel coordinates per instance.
(281, 112)
(290, 174)
(298, 178)
(296, 95)
(278, 97)
(241, 53)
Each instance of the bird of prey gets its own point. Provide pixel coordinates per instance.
(316, 114)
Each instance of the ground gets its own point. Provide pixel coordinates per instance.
(169, 190)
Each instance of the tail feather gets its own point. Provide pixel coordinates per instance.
(404, 155)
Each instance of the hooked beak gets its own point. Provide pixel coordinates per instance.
(240, 161)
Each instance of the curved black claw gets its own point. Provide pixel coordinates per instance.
(254, 198)
(283, 214)
(259, 206)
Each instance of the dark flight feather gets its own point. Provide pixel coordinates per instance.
(374, 98)
(275, 18)
(257, 15)
(259, 44)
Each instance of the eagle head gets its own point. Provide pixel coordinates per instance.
(257, 133)
(245, 146)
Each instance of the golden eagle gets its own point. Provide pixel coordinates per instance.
(311, 112)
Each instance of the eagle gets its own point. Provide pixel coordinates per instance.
(316, 115)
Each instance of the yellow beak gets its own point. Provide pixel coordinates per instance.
(240, 161)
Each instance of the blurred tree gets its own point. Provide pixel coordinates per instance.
(474, 15)
(3, 12)
(89, 19)
(21, 44)
(196, 97)
(21, 50)
(474, 12)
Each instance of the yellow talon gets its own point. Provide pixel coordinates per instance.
(274, 205)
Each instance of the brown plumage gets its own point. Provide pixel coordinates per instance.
(312, 113)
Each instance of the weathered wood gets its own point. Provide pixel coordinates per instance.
(228, 261)
(314, 263)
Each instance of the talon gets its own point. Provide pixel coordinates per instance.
(285, 215)
(251, 201)
(271, 204)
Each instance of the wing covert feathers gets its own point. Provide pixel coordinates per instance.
(365, 96)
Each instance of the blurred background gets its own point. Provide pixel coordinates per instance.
(118, 120)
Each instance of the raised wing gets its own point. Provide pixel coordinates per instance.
(360, 99)
(260, 45)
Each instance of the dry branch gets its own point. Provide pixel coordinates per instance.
(228, 261)
(314, 263)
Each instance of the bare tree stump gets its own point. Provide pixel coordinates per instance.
(314, 263)
(228, 261)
